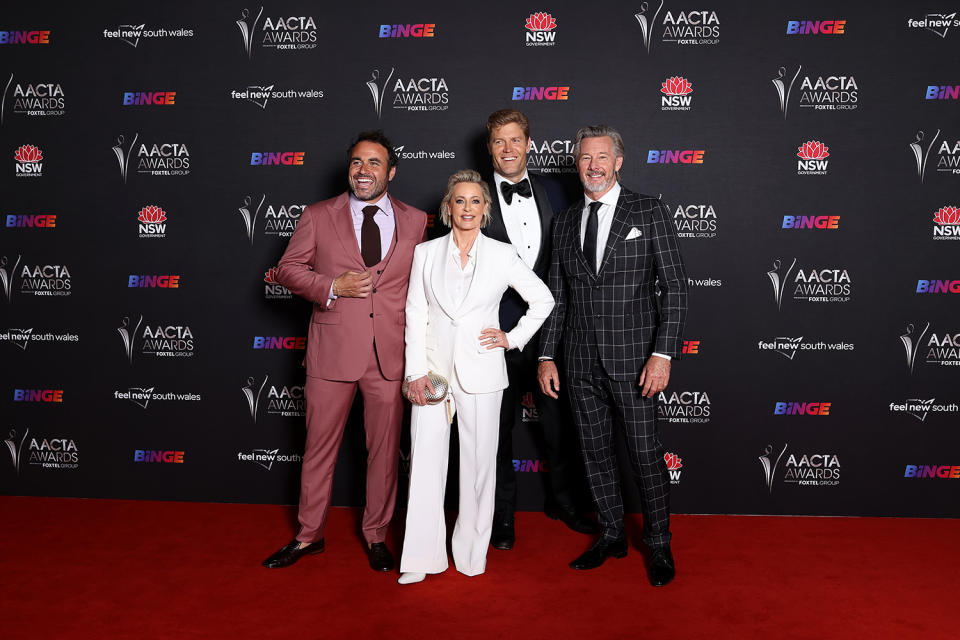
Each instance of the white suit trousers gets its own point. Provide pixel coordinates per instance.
(424, 544)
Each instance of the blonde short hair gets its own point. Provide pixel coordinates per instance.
(465, 175)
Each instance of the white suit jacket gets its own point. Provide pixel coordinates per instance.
(445, 339)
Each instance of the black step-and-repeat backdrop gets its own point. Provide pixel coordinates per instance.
(155, 158)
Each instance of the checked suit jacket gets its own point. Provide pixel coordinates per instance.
(617, 314)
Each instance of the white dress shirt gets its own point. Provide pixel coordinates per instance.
(460, 278)
(384, 219)
(608, 204)
(522, 220)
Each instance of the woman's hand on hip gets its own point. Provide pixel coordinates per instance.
(493, 339)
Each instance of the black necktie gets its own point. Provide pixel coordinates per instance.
(370, 236)
(590, 237)
(522, 188)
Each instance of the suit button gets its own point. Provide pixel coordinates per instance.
(379, 272)
(371, 315)
(374, 290)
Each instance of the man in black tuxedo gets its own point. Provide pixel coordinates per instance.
(612, 251)
(521, 214)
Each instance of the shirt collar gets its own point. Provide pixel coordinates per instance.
(499, 179)
(386, 207)
(454, 250)
(610, 197)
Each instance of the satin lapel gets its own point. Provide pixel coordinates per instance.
(577, 214)
(343, 227)
(618, 230)
(497, 228)
(545, 213)
(438, 276)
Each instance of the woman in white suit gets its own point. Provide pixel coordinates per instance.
(453, 329)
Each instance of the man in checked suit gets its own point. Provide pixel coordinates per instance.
(611, 252)
(521, 215)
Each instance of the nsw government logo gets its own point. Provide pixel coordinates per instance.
(32, 99)
(832, 284)
(286, 401)
(159, 341)
(528, 408)
(686, 407)
(152, 222)
(540, 28)
(28, 161)
(278, 220)
(947, 223)
(695, 221)
(813, 156)
(693, 27)
(674, 467)
(272, 289)
(676, 92)
(288, 33)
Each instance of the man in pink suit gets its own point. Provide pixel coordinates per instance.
(351, 257)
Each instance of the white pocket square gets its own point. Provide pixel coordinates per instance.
(634, 233)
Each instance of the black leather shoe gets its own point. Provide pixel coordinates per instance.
(291, 552)
(574, 520)
(599, 552)
(380, 557)
(661, 568)
(503, 535)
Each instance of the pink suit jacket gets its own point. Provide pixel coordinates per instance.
(341, 336)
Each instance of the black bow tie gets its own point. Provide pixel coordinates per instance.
(522, 189)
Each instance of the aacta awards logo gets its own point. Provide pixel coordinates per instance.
(551, 156)
(153, 222)
(37, 280)
(286, 401)
(946, 223)
(158, 159)
(29, 163)
(947, 155)
(820, 93)
(541, 30)
(812, 470)
(674, 466)
(32, 99)
(687, 407)
(272, 289)
(278, 220)
(813, 156)
(15, 447)
(810, 285)
(695, 221)
(288, 33)
(937, 348)
(161, 341)
(409, 94)
(676, 92)
(45, 453)
(697, 27)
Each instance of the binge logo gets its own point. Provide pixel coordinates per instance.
(540, 30)
(271, 158)
(40, 36)
(695, 221)
(942, 471)
(938, 23)
(541, 93)
(947, 223)
(813, 156)
(151, 455)
(165, 159)
(676, 92)
(811, 222)
(289, 33)
(39, 221)
(38, 395)
(153, 282)
(420, 30)
(530, 466)
(153, 222)
(36, 99)
(802, 408)
(528, 408)
(675, 156)
(812, 470)
(814, 27)
(943, 92)
(29, 163)
(691, 347)
(273, 290)
(674, 467)
(830, 93)
(938, 286)
(46, 280)
(280, 342)
(687, 407)
(157, 98)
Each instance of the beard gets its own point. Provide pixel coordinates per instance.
(376, 189)
(598, 188)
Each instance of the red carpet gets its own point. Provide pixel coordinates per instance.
(122, 569)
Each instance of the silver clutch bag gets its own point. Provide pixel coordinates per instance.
(440, 388)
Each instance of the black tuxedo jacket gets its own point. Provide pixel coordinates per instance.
(512, 306)
(617, 313)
